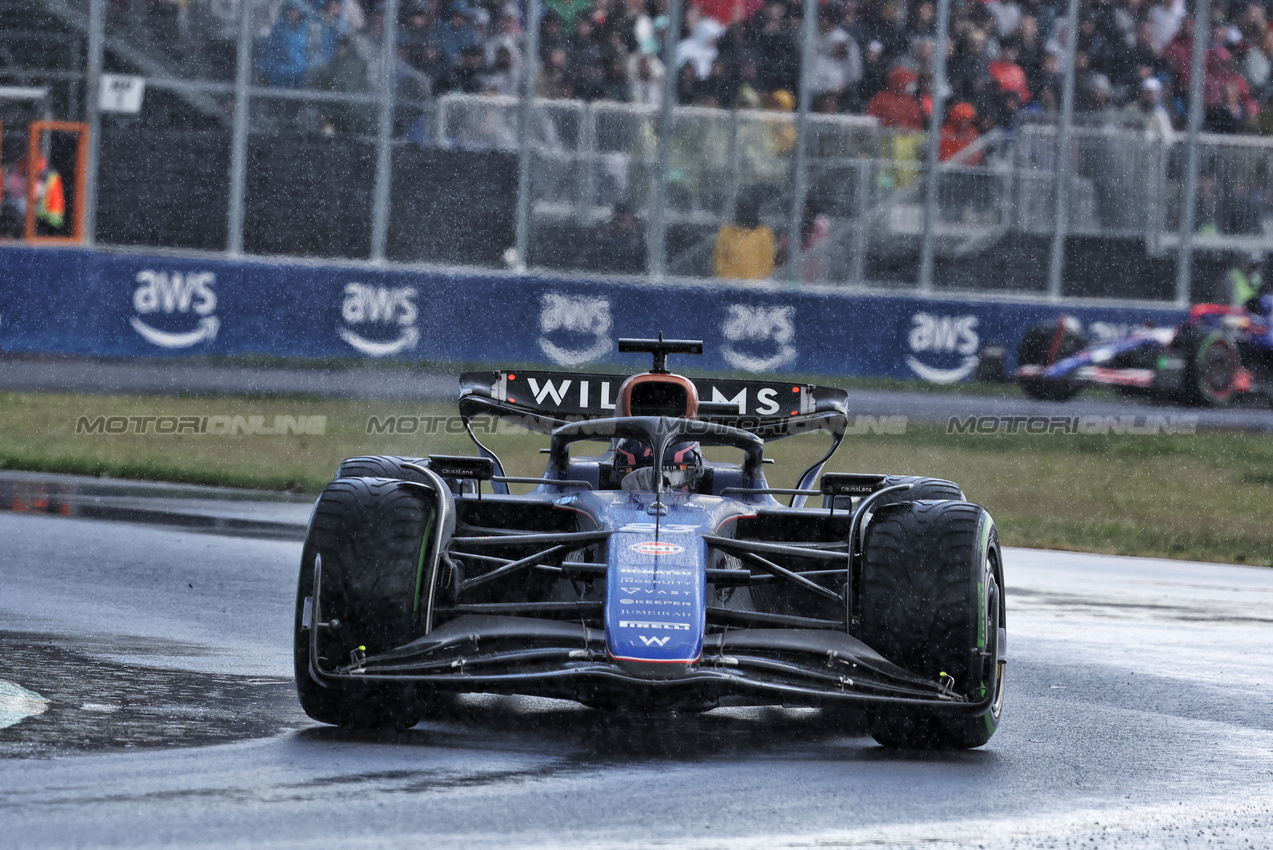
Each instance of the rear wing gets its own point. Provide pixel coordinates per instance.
(544, 401)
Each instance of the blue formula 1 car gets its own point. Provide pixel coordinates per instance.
(640, 575)
(1215, 356)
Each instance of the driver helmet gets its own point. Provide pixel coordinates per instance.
(682, 462)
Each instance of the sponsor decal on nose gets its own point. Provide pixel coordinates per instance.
(655, 547)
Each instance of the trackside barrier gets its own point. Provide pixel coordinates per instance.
(77, 302)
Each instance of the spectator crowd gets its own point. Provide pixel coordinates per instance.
(871, 57)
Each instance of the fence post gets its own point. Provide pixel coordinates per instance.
(808, 31)
(861, 221)
(586, 160)
(1061, 216)
(934, 146)
(1184, 257)
(239, 132)
(735, 162)
(384, 134)
(656, 237)
(93, 115)
(525, 117)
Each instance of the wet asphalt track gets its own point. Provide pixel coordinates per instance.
(1138, 714)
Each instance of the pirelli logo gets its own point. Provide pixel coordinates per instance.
(645, 624)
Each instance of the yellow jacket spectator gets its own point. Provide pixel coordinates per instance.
(783, 131)
(745, 248)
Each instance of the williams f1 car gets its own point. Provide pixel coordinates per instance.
(1216, 355)
(640, 575)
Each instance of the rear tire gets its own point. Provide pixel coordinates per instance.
(1043, 345)
(370, 534)
(936, 489)
(382, 466)
(922, 489)
(931, 602)
(1211, 368)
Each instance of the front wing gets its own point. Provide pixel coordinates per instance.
(563, 659)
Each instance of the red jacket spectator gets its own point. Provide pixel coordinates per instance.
(959, 131)
(1008, 74)
(725, 11)
(896, 107)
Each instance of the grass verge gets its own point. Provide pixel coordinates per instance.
(1202, 497)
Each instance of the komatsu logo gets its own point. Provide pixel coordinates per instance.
(365, 304)
(943, 337)
(574, 329)
(758, 339)
(176, 293)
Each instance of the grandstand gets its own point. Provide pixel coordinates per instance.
(269, 127)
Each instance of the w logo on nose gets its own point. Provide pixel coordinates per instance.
(654, 641)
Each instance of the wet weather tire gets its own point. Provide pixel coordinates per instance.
(1211, 368)
(1044, 345)
(931, 602)
(382, 466)
(938, 489)
(934, 489)
(370, 534)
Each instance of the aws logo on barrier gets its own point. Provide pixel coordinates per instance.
(574, 329)
(758, 339)
(172, 293)
(377, 312)
(948, 343)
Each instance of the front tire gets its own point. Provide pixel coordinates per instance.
(1044, 345)
(931, 602)
(370, 534)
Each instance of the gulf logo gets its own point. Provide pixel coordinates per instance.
(654, 547)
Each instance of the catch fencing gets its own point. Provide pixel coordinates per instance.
(351, 166)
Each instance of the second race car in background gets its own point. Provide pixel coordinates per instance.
(1215, 356)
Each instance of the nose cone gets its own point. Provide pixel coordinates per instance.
(655, 600)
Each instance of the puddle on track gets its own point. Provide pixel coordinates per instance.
(94, 704)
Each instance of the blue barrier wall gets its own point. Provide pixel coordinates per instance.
(132, 305)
